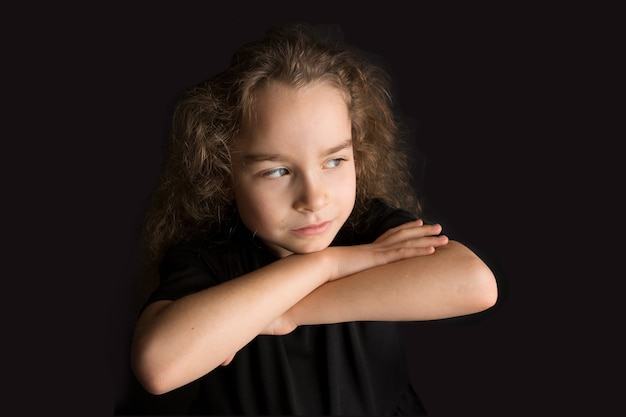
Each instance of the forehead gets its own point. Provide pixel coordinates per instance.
(282, 112)
(272, 92)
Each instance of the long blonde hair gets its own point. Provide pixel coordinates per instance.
(193, 195)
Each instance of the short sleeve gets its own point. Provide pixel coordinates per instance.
(182, 272)
(380, 218)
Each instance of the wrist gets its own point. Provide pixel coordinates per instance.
(326, 260)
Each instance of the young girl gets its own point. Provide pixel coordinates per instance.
(289, 242)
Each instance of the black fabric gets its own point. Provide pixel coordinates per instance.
(355, 368)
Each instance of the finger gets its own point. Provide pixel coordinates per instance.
(409, 231)
(228, 361)
(435, 241)
(406, 252)
(417, 226)
(421, 242)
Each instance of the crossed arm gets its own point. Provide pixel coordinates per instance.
(408, 273)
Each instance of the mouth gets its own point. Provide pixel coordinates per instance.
(312, 230)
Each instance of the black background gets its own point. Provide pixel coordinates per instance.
(488, 91)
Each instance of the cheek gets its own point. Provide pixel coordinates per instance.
(255, 206)
(348, 183)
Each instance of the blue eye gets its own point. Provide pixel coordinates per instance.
(276, 173)
(333, 163)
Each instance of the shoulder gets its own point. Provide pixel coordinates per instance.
(384, 216)
(224, 255)
(379, 217)
(203, 262)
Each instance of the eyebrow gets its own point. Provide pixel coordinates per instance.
(259, 157)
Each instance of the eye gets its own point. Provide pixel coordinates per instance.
(334, 163)
(276, 172)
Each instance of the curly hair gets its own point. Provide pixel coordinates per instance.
(194, 193)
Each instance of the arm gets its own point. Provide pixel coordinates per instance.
(451, 282)
(176, 342)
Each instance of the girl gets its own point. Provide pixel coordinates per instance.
(289, 242)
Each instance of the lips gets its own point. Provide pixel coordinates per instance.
(312, 230)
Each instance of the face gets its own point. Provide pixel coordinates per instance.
(293, 168)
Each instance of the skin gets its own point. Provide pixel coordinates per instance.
(294, 185)
(294, 175)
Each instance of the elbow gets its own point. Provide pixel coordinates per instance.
(153, 383)
(159, 370)
(152, 376)
(481, 289)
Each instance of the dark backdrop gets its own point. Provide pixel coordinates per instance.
(484, 88)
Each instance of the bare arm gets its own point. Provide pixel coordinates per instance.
(176, 342)
(451, 282)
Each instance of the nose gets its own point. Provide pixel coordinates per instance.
(312, 193)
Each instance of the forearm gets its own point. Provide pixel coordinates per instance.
(183, 340)
(451, 282)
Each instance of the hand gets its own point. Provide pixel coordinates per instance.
(402, 242)
(280, 326)
(229, 360)
(424, 236)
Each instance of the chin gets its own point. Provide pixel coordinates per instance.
(311, 248)
(299, 247)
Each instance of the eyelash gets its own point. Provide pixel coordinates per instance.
(339, 161)
(285, 171)
(269, 173)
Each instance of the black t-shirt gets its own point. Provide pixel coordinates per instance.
(355, 368)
